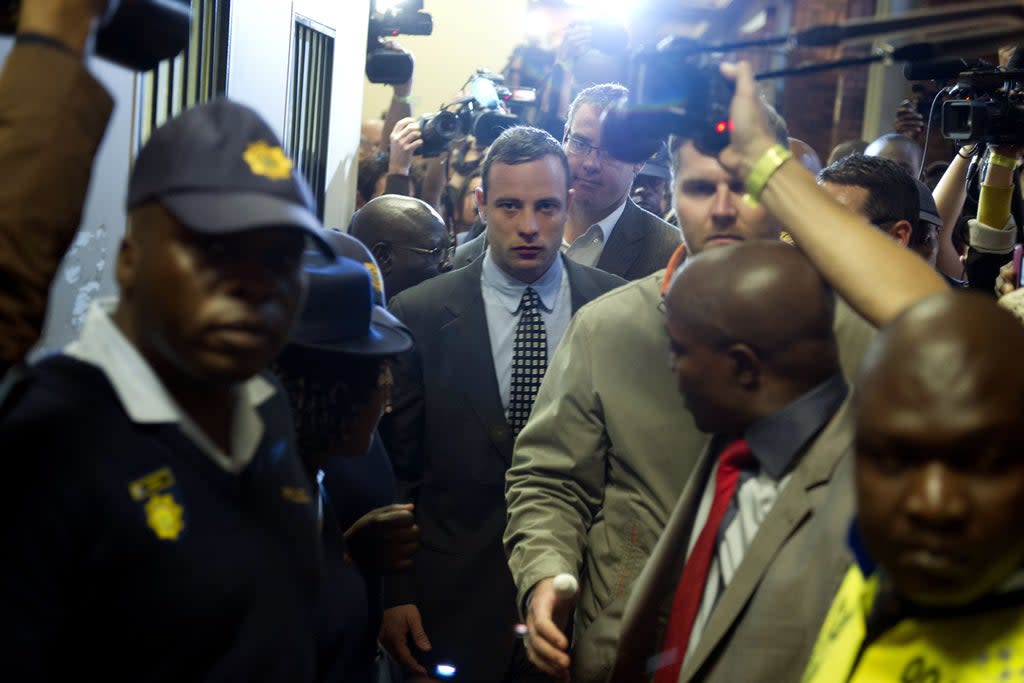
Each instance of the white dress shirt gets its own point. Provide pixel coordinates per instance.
(588, 247)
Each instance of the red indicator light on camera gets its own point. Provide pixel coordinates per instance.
(721, 127)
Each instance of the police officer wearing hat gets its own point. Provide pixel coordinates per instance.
(335, 370)
(161, 526)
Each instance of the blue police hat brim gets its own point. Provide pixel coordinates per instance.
(230, 212)
(386, 336)
(340, 315)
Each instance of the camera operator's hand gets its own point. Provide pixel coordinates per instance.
(69, 21)
(405, 140)
(751, 135)
(402, 90)
(574, 43)
(908, 121)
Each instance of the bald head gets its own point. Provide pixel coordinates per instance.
(898, 148)
(406, 236)
(394, 217)
(955, 349)
(762, 315)
(940, 468)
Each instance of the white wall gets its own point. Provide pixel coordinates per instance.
(261, 34)
(467, 34)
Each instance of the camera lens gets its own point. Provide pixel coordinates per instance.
(445, 124)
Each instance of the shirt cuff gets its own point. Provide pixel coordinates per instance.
(989, 240)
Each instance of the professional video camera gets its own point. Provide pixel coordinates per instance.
(670, 91)
(483, 112)
(385, 64)
(988, 108)
(137, 34)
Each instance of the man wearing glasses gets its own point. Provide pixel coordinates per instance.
(407, 237)
(606, 229)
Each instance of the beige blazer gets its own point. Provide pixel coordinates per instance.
(765, 622)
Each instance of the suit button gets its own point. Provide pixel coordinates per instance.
(500, 432)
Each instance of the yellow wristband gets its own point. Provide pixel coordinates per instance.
(997, 159)
(770, 162)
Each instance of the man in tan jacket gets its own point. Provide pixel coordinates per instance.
(609, 448)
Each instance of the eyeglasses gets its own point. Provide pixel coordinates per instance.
(582, 148)
(442, 254)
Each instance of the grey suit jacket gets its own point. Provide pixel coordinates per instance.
(450, 446)
(766, 621)
(641, 243)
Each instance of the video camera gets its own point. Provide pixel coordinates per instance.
(988, 108)
(137, 34)
(670, 92)
(483, 113)
(385, 64)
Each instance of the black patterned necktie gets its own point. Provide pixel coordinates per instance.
(529, 360)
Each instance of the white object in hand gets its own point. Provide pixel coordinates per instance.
(566, 586)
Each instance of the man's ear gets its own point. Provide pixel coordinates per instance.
(481, 203)
(746, 366)
(382, 252)
(901, 231)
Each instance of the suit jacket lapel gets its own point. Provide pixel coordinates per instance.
(624, 246)
(581, 285)
(791, 508)
(467, 351)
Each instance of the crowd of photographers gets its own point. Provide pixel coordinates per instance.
(445, 442)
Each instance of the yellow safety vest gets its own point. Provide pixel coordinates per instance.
(986, 647)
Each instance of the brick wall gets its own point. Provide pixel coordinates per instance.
(825, 108)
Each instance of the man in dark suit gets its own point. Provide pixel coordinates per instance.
(605, 229)
(483, 335)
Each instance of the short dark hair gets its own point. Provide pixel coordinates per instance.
(775, 120)
(368, 172)
(602, 96)
(892, 192)
(520, 145)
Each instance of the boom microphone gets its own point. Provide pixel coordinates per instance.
(942, 69)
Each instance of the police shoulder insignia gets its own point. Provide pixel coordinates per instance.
(268, 161)
(295, 494)
(154, 482)
(165, 517)
(375, 278)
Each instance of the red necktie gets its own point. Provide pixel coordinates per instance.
(690, 589)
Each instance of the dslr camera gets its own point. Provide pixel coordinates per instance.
(385, 64)
(483, 113)
(137, 34)
(671, 91)
(988, 108)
